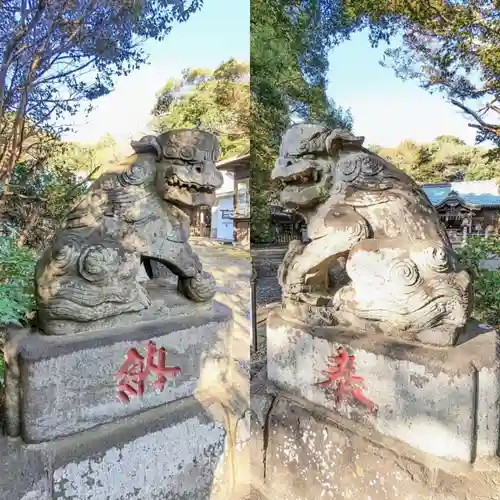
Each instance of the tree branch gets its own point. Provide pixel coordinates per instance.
(490, 127)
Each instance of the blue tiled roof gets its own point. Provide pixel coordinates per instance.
(477, 193)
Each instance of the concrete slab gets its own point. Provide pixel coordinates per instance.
(312, 456)
(67, 384)
(443, 401)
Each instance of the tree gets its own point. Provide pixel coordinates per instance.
(446, 158)
(290, 42)
(45, 186)
(58, 55)
(17, 301)
(449, 46)
(486, 281)
(214, 100)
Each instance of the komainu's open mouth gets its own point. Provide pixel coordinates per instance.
(308, 176)
(192, 187)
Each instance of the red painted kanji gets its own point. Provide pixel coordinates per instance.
(134, 372)
(343, 382)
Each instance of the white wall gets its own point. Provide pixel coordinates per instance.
(222, 229)
(228, 185)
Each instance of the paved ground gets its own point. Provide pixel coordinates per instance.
(231, 268)
(266, 261)
(232, 271)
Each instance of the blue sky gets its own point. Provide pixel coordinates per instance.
(214, 34)
(385, 109)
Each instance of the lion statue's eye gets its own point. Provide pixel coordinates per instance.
(187, 153)
(170, 152)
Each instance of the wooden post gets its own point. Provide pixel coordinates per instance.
(235, 209)
(253, 314)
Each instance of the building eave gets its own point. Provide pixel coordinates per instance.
(457, 200)
(234, 163)
(466, 204)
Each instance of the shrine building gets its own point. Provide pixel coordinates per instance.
(466, 207)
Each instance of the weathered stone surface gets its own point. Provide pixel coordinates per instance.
(378, 258)
(133, 214)
(311, 455)
(261, 403)
(442, 401)
(23, 474)
(161, 454)
(179, 451)
(68, 384)
(164, 302)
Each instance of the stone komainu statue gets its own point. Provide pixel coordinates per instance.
(137, 212)
(377, 257)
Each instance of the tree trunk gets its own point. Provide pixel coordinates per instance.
(30, 224)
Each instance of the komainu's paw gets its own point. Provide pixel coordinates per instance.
(309, 314)
(295, 248)
(200, 288)
(310, 295)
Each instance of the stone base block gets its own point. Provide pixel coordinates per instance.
(179, 454)
(261, 402)
(311, 455)
(443, 401)
(166, 303)
(58, 386)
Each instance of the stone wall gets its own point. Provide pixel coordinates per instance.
(178, 451)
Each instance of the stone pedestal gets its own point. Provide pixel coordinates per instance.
(313, 453)
(75, 439)
(176, 451)
(442, 401)
(57, 386)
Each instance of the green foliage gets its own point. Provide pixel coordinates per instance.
(217, 101)
(449, 46)
(17, 269)
(486, 281)
(48, 182)
(290, 42)
(441, 160)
